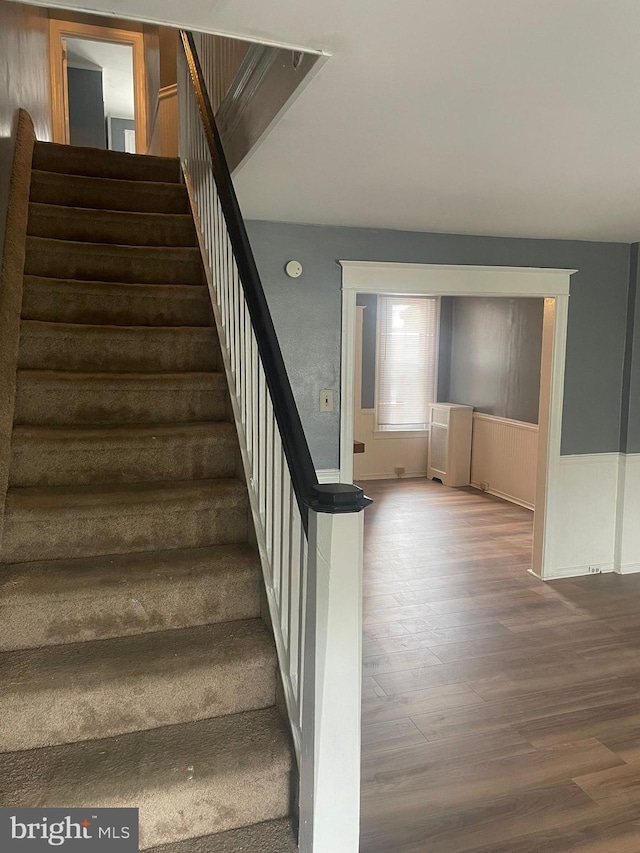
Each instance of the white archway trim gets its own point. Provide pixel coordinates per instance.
(448, 280)
(463, 280)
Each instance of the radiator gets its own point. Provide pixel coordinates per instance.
(504, 457)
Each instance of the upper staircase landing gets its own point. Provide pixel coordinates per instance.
(94, 162)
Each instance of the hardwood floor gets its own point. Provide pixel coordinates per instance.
(500, 714)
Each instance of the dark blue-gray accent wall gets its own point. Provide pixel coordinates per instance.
(630, 415)
(307, 315)
(493, 359)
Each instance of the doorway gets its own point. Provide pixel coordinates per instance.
(454, 281)
(98, 86)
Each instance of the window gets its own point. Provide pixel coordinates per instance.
(407, 359)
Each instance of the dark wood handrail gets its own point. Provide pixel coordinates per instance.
(336, 499)
(294, 442)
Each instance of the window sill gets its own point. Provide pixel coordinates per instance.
(396, 433)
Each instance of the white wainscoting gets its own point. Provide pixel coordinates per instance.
(504, 455)
(593, 522)
(628, 538)
(582, 513)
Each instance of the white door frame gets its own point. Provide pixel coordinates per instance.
(449, 280)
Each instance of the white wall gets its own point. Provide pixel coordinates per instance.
(384, 451)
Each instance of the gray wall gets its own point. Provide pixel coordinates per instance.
(24, 82)
(494, 364)
(369, 339)
(86, 108)
(307, 315)
(118, 127)
(444, 349)
(630, 424)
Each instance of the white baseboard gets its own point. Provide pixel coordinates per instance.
(503, 496)
(409, 475)
(328, 475)
(580, 571)
(628, 568)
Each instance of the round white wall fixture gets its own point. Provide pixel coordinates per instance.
(293, 269)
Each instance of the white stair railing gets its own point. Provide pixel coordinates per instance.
(309, 536)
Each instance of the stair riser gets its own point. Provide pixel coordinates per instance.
(98, 194)
(58, 463)
(125, 609)
(85, 261)
(64, 533)
(77, 712)
(276, 836)
(91, 349)
(219, 808)
(62, 404)
(114, 304)
(185, 798)
(125, 229)
(88, 161)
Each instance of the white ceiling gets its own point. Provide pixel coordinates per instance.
(116, 61)
(508, 117)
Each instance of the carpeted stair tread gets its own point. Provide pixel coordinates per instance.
(70, 601)
(275, 836)
(70, 160)
(107, 497)
(115, 303)
(82, 455)
(106, 262)
(190, 780)
(60, 522)
(105, 688)
(108, 193)
(74, 397)
(75, 346)
(110, 226)
(137, 666)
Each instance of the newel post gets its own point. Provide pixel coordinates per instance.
(330, 752)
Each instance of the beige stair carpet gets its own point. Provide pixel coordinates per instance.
(136, 667)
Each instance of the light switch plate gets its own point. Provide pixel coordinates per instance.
(326, 400)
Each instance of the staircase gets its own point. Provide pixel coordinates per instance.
(136, 668)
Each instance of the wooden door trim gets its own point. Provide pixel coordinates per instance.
(58, 30)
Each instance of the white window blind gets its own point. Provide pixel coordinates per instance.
(407, 354)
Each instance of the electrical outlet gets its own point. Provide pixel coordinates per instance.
(326, 400)
(594, 570)
(399, 471)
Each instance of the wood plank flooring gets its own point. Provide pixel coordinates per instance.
(500, 714)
